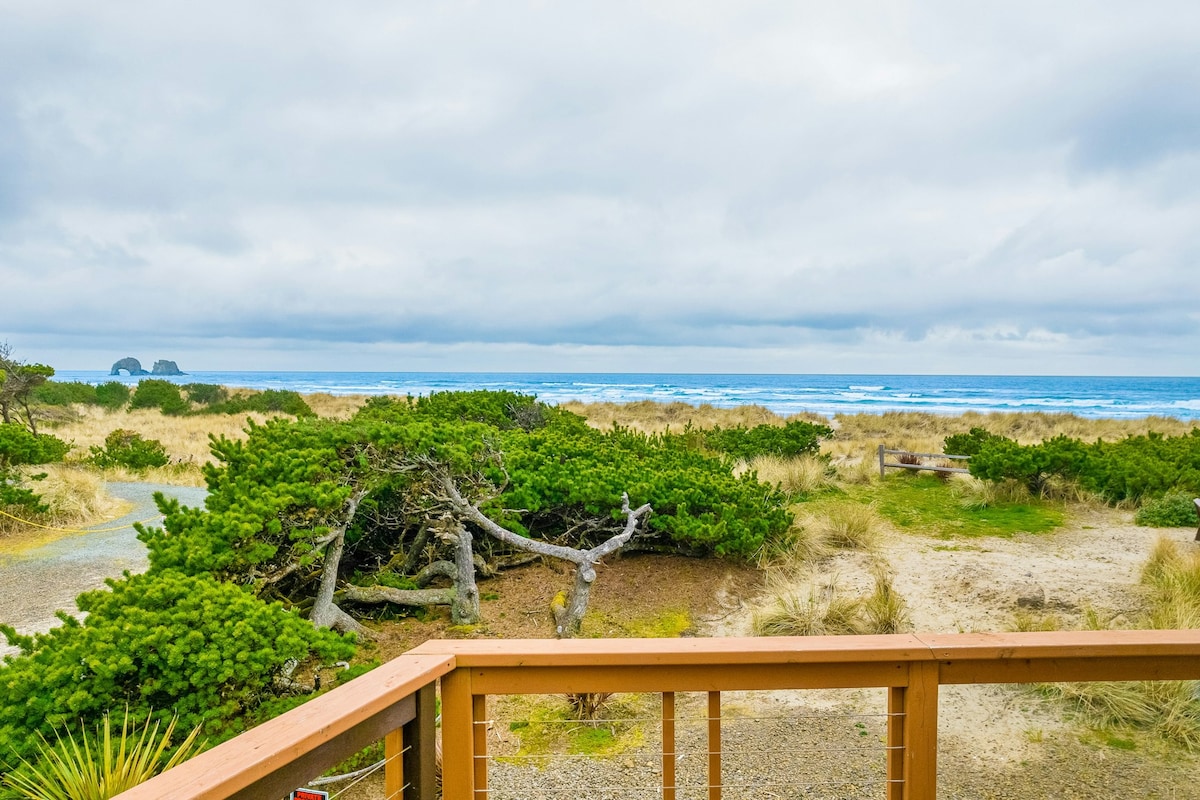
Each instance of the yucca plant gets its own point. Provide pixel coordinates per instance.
(99, 765)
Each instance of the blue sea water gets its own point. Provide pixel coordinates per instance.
(1114, 397)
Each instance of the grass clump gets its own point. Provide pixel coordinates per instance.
(799, 604)
(545, 726)
(1168, 709)
(798, 476)
(851, 526)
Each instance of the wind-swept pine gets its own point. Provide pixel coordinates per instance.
(412, 492)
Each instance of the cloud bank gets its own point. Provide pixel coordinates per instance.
(766, 187)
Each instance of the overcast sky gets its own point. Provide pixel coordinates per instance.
(1009, 188)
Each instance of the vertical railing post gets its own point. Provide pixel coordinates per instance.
(458, 736)
(714, 746)
(881, 470)
(668, 745)
(920, 731)
(410, 752)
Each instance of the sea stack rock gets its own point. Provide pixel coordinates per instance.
(130, 365)
(164, 367)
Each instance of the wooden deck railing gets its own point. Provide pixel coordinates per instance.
(271, 759)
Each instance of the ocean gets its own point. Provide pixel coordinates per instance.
(1114, 397)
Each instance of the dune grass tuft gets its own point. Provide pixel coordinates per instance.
(802, 603)
(796, 477)
(1168, 709)
(849, 525)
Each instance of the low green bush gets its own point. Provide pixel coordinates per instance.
(205, 394)
(112, 394)
(64, 393)
(1172, 510)
(796, 438)
(158, 645)
(160, 394)
(124, 448)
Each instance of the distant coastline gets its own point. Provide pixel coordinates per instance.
(1093, 397)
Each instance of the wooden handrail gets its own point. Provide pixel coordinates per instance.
(280, 755)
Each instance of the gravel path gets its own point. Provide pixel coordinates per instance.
(38, 582)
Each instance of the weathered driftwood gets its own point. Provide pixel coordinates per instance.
(569, 615)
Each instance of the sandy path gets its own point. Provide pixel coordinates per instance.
(38, 582)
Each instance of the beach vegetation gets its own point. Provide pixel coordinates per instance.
(209, 651)
(1132, 469)
(102, 762)
(160, 394)
(125, 448)
(1166, 709)
(20, 448)
(419, 488)
(806, 603)
(1175, 509)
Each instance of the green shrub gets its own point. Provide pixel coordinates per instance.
(1172, 510)
(124, 448)
(266, 402)
(160, 394)
(209, 651)
(112, 394)
(968, 444)
(64, 393)
(796, 438)
(205, 394)
(19, 447)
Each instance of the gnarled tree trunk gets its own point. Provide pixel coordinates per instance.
(569, 615)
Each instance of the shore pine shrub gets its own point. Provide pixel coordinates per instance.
(160, 394)
(275, 496)
(270, 401)
(112, 395)
(1133, 468)
(205, 394)
(1172, 510)
(19, 447)
(795, 438)
(64, 393)
(157, 644)
(125, 448)
(969, 444)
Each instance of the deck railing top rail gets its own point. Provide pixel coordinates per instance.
(309, 738)
(1038, 645)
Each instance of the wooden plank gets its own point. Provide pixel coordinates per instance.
(302, 743)
(927, 455)
(698, 651)
(458, 740)
(960, 470)
(920, 733)
(668, 743)
(420, 759)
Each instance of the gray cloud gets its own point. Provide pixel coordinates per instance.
(865, 186)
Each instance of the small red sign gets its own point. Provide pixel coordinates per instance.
(309, 794)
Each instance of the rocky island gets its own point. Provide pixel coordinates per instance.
(134, 367)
